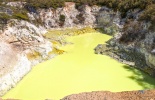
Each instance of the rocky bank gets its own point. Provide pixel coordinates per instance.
(106, 95)
(132, 42)
(22, 40)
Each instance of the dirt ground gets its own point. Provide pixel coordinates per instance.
(106, 95)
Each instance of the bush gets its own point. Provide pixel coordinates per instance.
(3, 20)
(20, 15)
(118, 5)
(149, 14)
(132, 31)
(45, 3)
(4, 16)
(62, 19)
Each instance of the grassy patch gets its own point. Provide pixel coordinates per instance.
(20, 15)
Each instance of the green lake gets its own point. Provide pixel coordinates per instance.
(79, 70)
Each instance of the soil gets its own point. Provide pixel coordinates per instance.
(106, 95)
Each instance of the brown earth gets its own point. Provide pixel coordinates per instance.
(106, 95)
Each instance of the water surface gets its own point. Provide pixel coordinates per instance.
(79, 70)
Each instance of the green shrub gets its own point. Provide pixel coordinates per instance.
(4, 16)
(118, 5)
(20, 15)
(132, 32)
(45, 3)
(149, 14)
(62, 19)
(3, 20)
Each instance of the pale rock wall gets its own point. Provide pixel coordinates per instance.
(10, 79)
(50, 17)
(16, 4)
(109, 20)
(17, 40)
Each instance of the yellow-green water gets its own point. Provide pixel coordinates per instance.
(79, 70)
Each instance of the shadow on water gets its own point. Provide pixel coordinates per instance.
(141, 78)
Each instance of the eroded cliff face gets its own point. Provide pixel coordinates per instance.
(51, 18)
(133, 41)
(18, 40)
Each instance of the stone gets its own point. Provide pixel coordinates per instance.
(27, 37)
(116, 48)
(151, 60)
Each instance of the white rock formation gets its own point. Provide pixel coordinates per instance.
(10, 79)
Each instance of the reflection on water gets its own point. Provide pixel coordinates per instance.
(79, 70)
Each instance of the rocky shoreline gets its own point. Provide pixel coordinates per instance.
(28, 38)
(106, 95)
(127, 56)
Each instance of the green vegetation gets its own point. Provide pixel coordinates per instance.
(118, 5)
(22, 16)
(122, 5)
(149, 14)
(4, 17)
(3, 20)
(45, 3)
(133, 32)
(125, 5)
(62, 19)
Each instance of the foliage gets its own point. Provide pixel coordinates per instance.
(62, 19)
(118, 5)
(45, 3)
(20, 15)
(4, 16)
(3, 20)
(132, 32)
(125, 5)
(149, 14)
